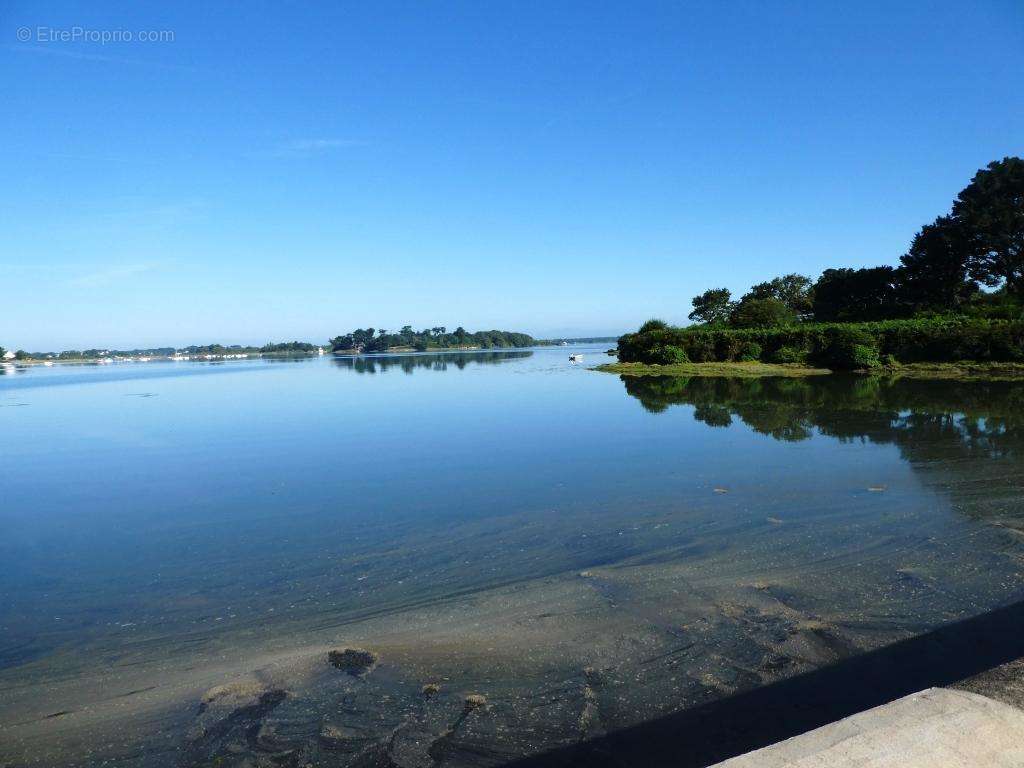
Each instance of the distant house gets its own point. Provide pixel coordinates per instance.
(8, 355)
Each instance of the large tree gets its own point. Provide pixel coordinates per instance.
(991, 212)
(936, 269)
(793, 290)
(851, 295)
(761, 313)
(712, 306)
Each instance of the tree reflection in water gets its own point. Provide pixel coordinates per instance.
(964, 436)
(434, 361)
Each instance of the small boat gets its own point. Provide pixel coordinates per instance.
(575, 358)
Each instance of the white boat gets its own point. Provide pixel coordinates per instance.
(575, 358)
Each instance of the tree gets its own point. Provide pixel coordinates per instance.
(793, 290)
(712, 307)
(935, 272)
(653, 325)
(991, 212)
(761, 313)
(2, 353)
(851, 295)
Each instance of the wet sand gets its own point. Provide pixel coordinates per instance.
(554, 661)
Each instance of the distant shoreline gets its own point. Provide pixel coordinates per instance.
(209, 358)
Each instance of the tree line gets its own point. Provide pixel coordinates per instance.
(950, 262)
(288, 347)
(359, 340)
(438, 337)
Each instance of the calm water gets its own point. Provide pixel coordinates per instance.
(154, 515)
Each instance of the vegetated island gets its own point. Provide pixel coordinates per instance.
(953, 308)
(366, 340)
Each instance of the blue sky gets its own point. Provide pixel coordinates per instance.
(286, 170)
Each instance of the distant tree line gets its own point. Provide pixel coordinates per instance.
(362, 340)
(289, 347)
(196, 350)
(438, 337)
(575, 340)
(979, 244)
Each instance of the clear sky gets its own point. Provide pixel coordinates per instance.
(293, 170)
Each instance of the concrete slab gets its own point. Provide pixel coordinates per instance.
(936, 728)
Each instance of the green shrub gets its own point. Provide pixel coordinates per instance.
(728, 346)
(750, 352)
(864, 356)
(846, 346)
(761, 313)
(667, 354)
(653, 325)
(786, 354)
(700, 347)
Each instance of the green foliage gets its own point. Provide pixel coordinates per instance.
(990, 211)
(712, 307)
(653, 325)
(853, 295)
(935, 269)
(981, 241)
(996, 305)
(789, 355)
(795, 291)
(289, 347)
(842, 346)
(380, 340)
(848, 348)
(761, 313)
(667, 354)
(750, 352)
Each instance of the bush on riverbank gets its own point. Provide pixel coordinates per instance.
(840, 346)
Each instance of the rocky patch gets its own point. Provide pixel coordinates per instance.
(353, 661)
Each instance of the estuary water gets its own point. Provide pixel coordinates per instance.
(534, 554)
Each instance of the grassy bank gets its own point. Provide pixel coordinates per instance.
(747, 370)
(962, 371)
(837, 346)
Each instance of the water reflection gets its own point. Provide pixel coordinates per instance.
(965, 436)
(509, 535)
(434, 361)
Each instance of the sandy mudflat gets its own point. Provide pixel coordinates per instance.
(471, 680)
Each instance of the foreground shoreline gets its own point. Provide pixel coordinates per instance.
(963, 371)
